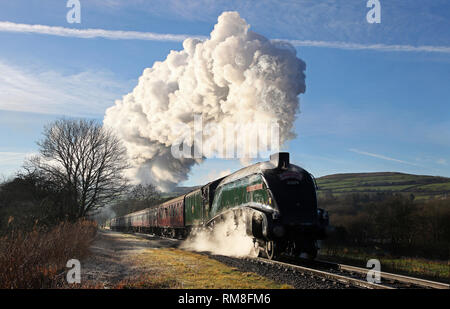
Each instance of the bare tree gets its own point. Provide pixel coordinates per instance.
(139, 197)
(145, 193)
(86, 158)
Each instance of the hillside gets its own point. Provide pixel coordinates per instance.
(423, 187)
(177, 191)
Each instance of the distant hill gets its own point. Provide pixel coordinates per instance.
(178, 191)
(423, 187)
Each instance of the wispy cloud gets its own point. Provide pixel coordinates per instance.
(82, 94)
(13, 157)
(169, 37)
(379, 156)
(379, 47)
(441, 161)
(10, 162)
(6, 26)
(417, 23)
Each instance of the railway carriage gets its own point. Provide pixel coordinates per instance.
(275, 200)
(194, 211)
(139, 220)
(171, 218)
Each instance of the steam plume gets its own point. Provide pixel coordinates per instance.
(227, 238)
(236, 76)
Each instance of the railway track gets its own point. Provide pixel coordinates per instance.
(417, 282)
(328, 275)
(350, 275)
(346, 274)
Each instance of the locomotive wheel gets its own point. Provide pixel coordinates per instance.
(259, 249)
(312, 254)
(271, 249)
(296, 249)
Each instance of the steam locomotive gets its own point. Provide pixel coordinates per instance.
(275, 200)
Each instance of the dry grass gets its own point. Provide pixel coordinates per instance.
(38, 259)
(417, 267)
(174, 268)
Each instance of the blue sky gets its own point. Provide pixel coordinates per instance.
(365, 109)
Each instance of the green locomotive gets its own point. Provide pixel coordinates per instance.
(275, 200)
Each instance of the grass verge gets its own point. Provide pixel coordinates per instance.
(174, 268)
(416, 267)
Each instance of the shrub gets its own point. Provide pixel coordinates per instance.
(37, 259)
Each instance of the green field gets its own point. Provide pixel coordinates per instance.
(423, 187)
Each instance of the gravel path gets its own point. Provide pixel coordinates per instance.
(113, 253)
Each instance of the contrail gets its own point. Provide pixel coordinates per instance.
(6, 26)
(380, 47)
(379, 156)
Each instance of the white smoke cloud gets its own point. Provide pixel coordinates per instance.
(235, 76)
(227, 238)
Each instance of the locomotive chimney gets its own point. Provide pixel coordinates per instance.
(280, 159)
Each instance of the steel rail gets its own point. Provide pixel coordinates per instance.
(399, 278)
(323, 274)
